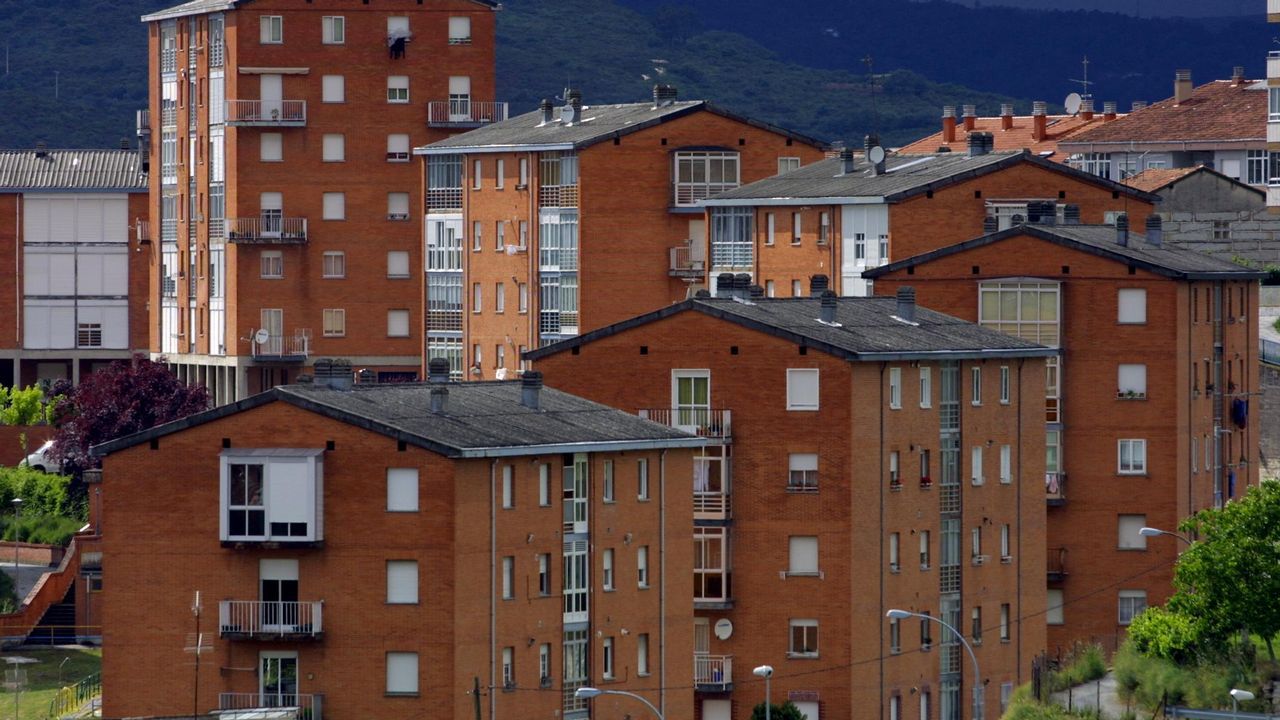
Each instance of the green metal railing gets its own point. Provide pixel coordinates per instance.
(72, 699)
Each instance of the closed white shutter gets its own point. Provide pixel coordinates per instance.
(1130, 538)
(459, 85)
(808, 709)
(1133, 379)
(335, 206)
(804, 555)
(398, 26)
(398, 144)
(402, 489)
(402, 673)
(115, 327)
(717, 710)
(335, 147)
(398, 204)
(459, 29)
(397, 264)
(271, 201)
(1053, 616)
(271, 148)
(802, 389)
(398, 323)
(333, 89)
(402, 581)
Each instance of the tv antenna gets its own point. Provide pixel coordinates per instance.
(197, 644)
(872, 88)
(1085, 82)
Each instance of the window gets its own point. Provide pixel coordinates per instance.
(1004, 615)
(606, 659)
(895, 707)
(883, 248)
(500, 297)
(334, 264)
(1132, 304)
(1027, 310)
(397, 147)
(1004, 385)
(475, 355)
(926, 387)
(976, 625)
(477, 297)
(608, 481)
(402, 489)
(333, 89)
(924, 706)
(976, 542)
(803, 472)
(477, 235)
(544, 485)
(769, 290)
(926, 631)
(334, 29)
(1006, 464)
(1273, 104)
(524, 235)
(642, 566)
(272, 264)
(1005, 554)
(499, 235)
(975, 465)
(804, 638)
(508, 487)
(642, 479)
(925, 479)
(397, 264)
(787, 164)
(1096, 164)
(544, 574)
(398, 89)
(522, 299)
(523, 181)
(508, 577)
(402, 673)
(544, 664)
(476, 167)
(271, 147)
(802, 389)
(499, 174)
(924, 549)
(803, 554)
(893, 553)
(500, 355)
(335, 322)
(397, 323)
(701, 174)
(607, 561)
(770, 224)
(1222, 230)
(796, 228)
(398, 206)
(824, 227)
(895, 388)
(1132, 602)
(508, 667)
(1130, 538)
(271, 29)
(975, 385)
(335, 206)
(895, 476)
(1053, 615)
(895, 637)
(1133, 457)
(642, 654)
(1256, 167)
(402, 582)
(1132, 381)
(860, 246)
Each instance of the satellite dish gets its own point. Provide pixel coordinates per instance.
(262, 337)
(724, 628)
(1072, 103)
(876, 155)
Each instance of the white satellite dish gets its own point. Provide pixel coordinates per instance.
(875, 155)
(724, 628)
(262, 336)
(1072, 103)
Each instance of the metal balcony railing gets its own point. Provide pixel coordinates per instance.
(684, 263)
(444, 198)
(295, 347)
(704, 422)
(712, 672)
(278, 113)
(558, 196)
(308, 707)
(270, 619)
(464, 113)
(267, 230)
(710, 505)
(169, 60)
(1055, 488)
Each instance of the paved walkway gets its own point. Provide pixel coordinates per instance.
(1091, 694)
(28, 575)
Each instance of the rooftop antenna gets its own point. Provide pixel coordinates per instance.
(1084, 82)
(197, 643)
(871, 83)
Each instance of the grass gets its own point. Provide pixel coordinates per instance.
(43, 678)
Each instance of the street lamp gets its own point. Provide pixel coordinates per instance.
(17, 513)
(586, 693)
(766, 672)
(978, 694)
(1156, 532)
(1236, 696)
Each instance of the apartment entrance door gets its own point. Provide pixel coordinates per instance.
(271, 94)
(278, 580)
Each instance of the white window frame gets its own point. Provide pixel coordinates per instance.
(606, 566)
(642, 654)
(1127, 605)
(394, 318)
(334, 322)
(802, 554)
(333, 30)
(1006, 553)
(402, 673)
(398, 147)
(333, 264)
(802, 472)
(895, 388)
(508, 487)
(544, 485)
(895, 552)
(402, 582)
(1006, 464)
(271, 265)
(334, 206)
(402, 489)
(642, 479)
(477, 174)
(607, 658)
(1137, 464)
(1005, 388)
(608, 491)
(1131, 306)
(785, 165)
(976, 475)
(1127, 527)
(975, 385)
(926, 388)
(642, 566)
(333, 89)
(1131, 380)
(802, 404)
(397, 264)
(810, 648)
(770, 224)
(508, 577)
(398, 89)
(271, 30)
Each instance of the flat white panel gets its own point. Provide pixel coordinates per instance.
(397, 143)
(115, 327)
(1053, 616)
(62, 220)
(88, 220)
(277, 569)
(808, 709)
(459, 85)
(402, 581)
(270, 149)
(402, 489)
(402, 672)
(115, 220)
(1130, 538)
(334, 89)
(35, 220)
(288, 492)
(62, 327)
(397, 263)
(1133, 305)
(803, 552)
(335, 206)
(271, 92)
(397, 203)
(115, 273)
(35, 272)
(1133, 378)
(271, 201)
(459, 28)
(335, 147)
(398, 26)
(802, 389)
(62, 273)
(717, 710)
(35, 326)
(89, 273)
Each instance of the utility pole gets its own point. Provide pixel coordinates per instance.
(196, 645)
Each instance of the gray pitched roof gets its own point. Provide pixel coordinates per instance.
(1165, 259)
(199, 7)
(101, 170)
(905, 176)
(481, 419)
(599, 123)
(866, 329)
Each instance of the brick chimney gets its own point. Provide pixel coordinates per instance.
(1039, 120)
(1182, 86)
(948, 123)
(1006, 116)
(1086, 109)
(970, 117)
(1109, 110)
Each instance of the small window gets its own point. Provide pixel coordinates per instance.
(642, 566)
(524, 174)
(803, 550)
(508, 578)
(500, 298)
(642, 479)
(926, 387)
(398, 206)
(499, 174)
(397, 264)
(926, 638)
(802, 389)
(499, 235)
(895, 388)
(797, 288)
(894, 561)
(1053, 615)
(477, 297)
(271, 29)
(272, 267)
(544, 485)
(924, 549)
(522, 291)
(1006, 464)
(544, 574)
(1005, 549)
(606, 560)
(402, 489)
(608, 481)
(642, 654)
(460, 30)
(769, 290)
(508, 667)
(508, 487)
(524, 235)
(1004, 385)
(334, 29)
(895, 477)
(975, 465)
(335, 206)
(271, 147)
(477, 168)
(797, 227)
(402, 673)
(402, 582)
(1005, 613)
(335, 322)
(824, 227)
(1133, 457)
(1133, 305)
(333, 89)
(975, 385)
(803, 472)
(334, 264)
(770, 223)
(397, 323)
(787, 164)
(1132, 381)
(398, 89)
(1130, 537)
(477, 235)
(976, 624)
(804, 638)
(1132, 603)
(976, 543)
(397, 147)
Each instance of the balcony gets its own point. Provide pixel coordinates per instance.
(688, 194)
(283, 705)
(687, 263)
(712, 673)
(267, 230)
(1057, 565)
(283, 348)
(711, 485)
(558, 196)
(1055, 488)
(464, 113)
(444, 198)
(703, 422)
(259, 113)
(267, 620)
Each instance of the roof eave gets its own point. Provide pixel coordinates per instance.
(783, 201)
(429, 150)
(977, 354)
(177, 12)
(583, 447)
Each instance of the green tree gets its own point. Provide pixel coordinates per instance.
(25, 406)
(785, 711)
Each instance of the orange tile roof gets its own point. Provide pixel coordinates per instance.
(1059, 128)
(1152, 179)
(1216, 111)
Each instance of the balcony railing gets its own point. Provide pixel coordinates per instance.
(269, 620)
(704, 422)
(1055, 488)
(444, 198)
(710, 505)
(687, 194)
(464, 113)
(305, 706)
(684, 264)
(1057, 565)
(270, 113)
(267, 230)
(713, 672)
(283, 348)
(558, 196)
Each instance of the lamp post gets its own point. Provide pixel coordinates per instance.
(586, 693)
(1236, 696)
(1156, 532)
(17, 513)
(978, 690)
(766, 672)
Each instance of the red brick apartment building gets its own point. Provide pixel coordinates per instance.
(567, 219)
(863, 454)
(373, 551)
(1147, 402)
(844, 216)
(282, 203)
(1039, 132)
(72, 275)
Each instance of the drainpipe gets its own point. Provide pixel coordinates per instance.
(1017, 479)
(880, 613)
(1219, 398)
(662, 578)
(493, 584)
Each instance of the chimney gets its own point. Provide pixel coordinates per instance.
(530, 388)
(846, 161)
(817, 285)
(365, 376)
(664, 96)
(438, 370)
(1039, 120)
(124, 143)
(1109, 110)
(948, 123)
(970, 117)
(42, 149)
(742, 286)
(439, 399)
(977, 144)
(1182, 86)
(724, 285)
(869, 142)
(1237, 75)
(1048, 213)
(340, 375)
(1139, 105)
(989, 141)
(906, 309)
(1070, 214)
(1006, 116)
(828, 308)
(1122, 230)
(755, 292)
(1155, 230)
(572, 111)
(1086, 109)
(548, 111)
(990, 225)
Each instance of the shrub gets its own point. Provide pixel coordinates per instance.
(1086, 663)
(41, 529)
(1152, 680)
(41, 493)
